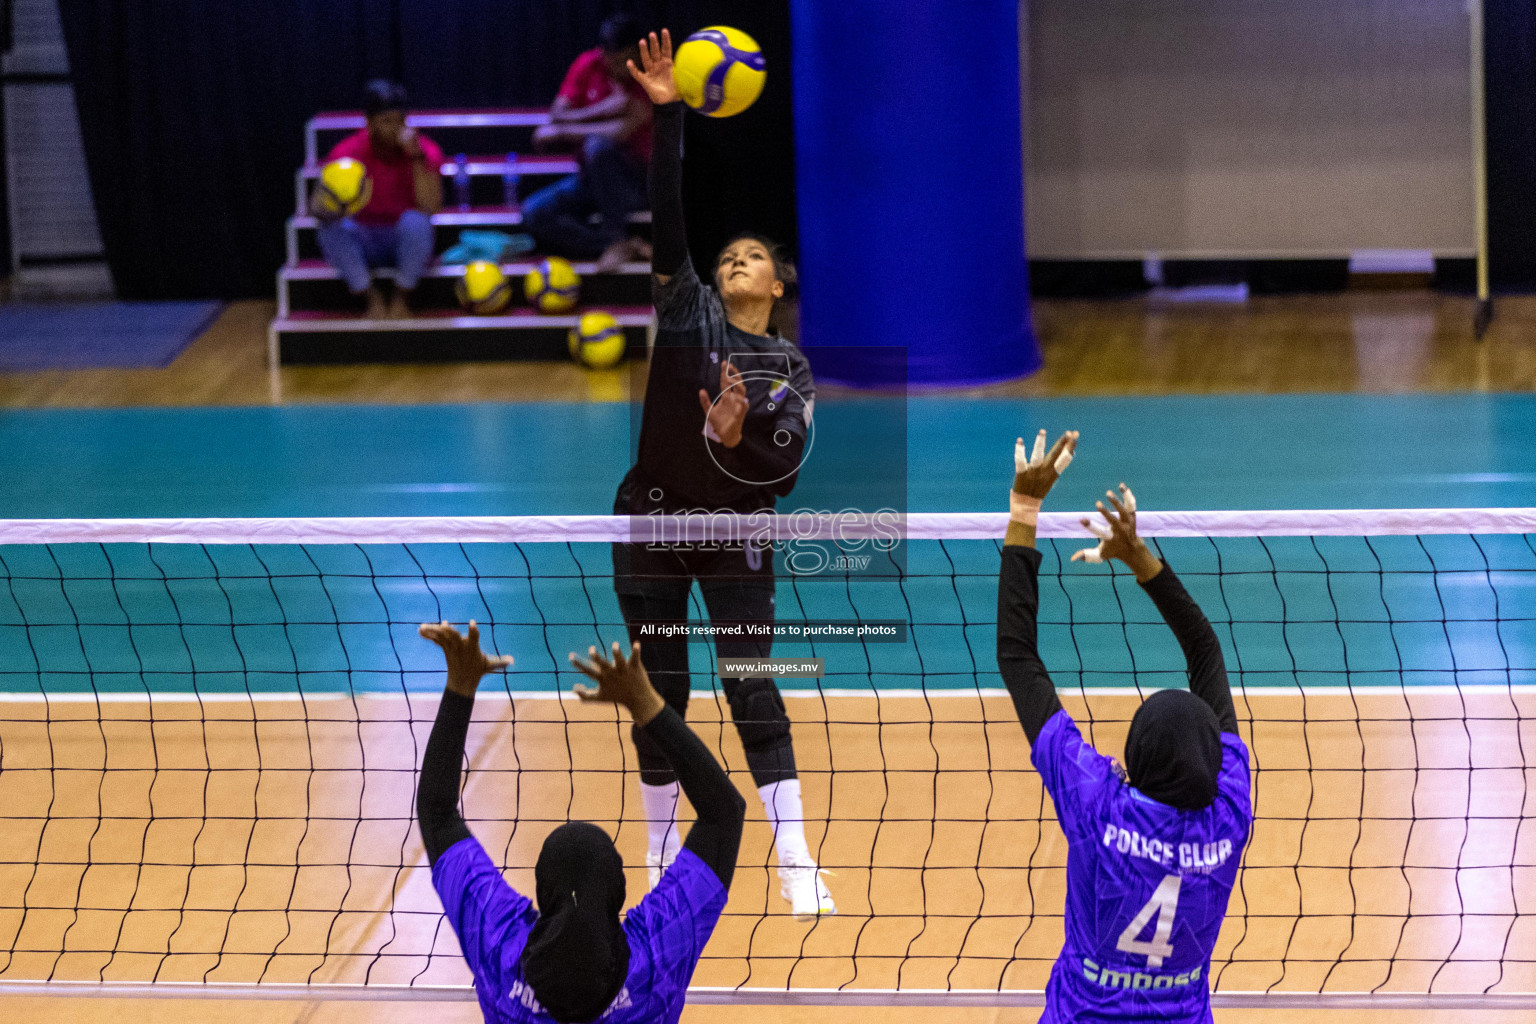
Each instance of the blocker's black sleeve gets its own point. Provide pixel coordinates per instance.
(1202, 651)
(437, 795)
(716, 836)
(1018, 655)
(669, 239)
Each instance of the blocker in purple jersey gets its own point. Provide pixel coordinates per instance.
(1147, 884)
(667, 932)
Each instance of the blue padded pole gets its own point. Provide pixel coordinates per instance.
(910, 180)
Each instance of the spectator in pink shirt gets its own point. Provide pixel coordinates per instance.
(395, 228)
(604, 115)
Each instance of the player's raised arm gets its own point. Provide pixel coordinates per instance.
(1202, 651)
(716, 836)
(669, 240)
(1018, 593)
(437, 795)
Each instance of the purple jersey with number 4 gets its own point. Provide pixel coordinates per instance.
(667, 932)
(1147, 884)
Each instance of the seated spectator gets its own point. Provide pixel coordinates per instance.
(395, 228)
(604, 116)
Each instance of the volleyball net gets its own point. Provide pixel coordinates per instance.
(210, 733)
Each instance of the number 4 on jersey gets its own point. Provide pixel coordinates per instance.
(1165, 903)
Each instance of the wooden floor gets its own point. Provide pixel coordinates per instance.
(1365, 341)
(200, 1011)
(237, 842)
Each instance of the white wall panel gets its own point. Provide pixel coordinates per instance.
(1247, 127)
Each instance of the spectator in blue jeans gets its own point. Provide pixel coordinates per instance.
(606, 118)
(395, 228)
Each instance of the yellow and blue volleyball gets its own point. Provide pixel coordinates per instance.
(553, 286)
(719, 71)
(597, 340)
(484, 288)
(344, 188)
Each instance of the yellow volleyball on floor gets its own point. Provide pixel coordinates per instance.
(719, 71)
(597, 340)
(484, 288)
(344, 188)
(553, 286)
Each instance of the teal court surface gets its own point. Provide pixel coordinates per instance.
(1230, 452)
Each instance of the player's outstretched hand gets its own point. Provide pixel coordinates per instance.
(655, 71)
(1117, 536)
(1035, 473)
(725, 416)
(466, 661)
(619, 681)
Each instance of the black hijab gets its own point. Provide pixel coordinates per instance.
(577, 955)
(1173, 751)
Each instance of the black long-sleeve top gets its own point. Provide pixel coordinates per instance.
(1202, 651)
(669, 238)
(1029, 684)
(437, 792)
(694, 339)
(716, 834)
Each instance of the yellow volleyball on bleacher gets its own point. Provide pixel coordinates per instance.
(553, 286)
(484, 288)
(719, 71)
(597, 340)
(344, 188)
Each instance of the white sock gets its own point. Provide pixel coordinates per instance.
(781, 802)
(662, 836)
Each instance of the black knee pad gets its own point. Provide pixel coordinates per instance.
(759, 713)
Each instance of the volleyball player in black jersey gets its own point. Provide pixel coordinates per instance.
(728, 405)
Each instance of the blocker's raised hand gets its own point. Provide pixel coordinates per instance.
(466, 661)
(655, 71)
(1117, 533)
(1034, 474)
(619, 681)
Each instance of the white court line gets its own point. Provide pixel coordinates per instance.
(492, 694)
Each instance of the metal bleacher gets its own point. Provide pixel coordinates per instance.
(318, 322)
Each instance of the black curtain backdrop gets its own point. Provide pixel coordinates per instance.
(1509, 56)
(192, 114)
(192, 117)
(739, 172)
